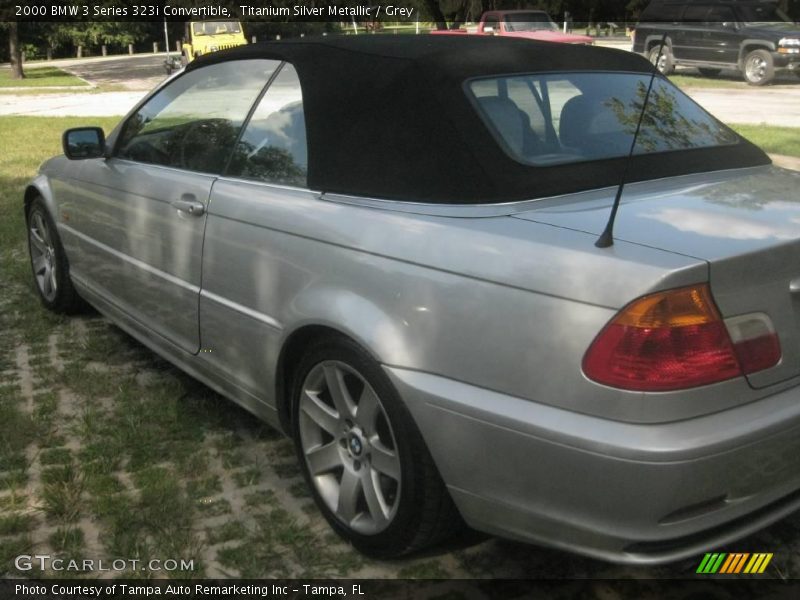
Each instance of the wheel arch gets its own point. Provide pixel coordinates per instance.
(654, 40)
(40, 188)
(747, 46)
(325, 310)
(291, 352)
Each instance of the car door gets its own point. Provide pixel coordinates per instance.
(721, 37)
(252, 269)
(140, 214)
(688, 40)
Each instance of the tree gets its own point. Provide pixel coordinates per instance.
(436, 13)
(15, 51)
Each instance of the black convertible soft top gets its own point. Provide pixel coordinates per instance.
(387, 116)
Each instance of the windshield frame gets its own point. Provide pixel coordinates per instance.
(200, 31)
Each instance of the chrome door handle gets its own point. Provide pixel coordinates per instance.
(190, 205)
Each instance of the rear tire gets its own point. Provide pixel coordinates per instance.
(708, 72)
(49, 261)
(664, 63)
(362, 455)
(758, 68)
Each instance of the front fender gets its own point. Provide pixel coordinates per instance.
(40, 186)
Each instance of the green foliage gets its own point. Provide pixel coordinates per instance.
(777, 140)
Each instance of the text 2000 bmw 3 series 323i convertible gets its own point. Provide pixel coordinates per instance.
(390, 246)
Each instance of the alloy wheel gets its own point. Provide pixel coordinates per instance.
(349, 447)
(43, 255)
(660, 59)
(756, 68)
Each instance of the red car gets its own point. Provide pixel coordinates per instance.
(527, 24)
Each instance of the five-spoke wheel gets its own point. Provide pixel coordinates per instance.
(362, 454)
(48, 261)
(349, 448)
(43, 254)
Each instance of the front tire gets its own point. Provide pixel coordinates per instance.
(661, 59)
(362, 456)
(49, 261)
(759, 68)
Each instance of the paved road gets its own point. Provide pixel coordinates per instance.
(774, 105)
(133, 72)
(139, 72)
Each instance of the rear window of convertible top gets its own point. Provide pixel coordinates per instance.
(552, 118)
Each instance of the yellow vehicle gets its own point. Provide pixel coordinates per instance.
(210, 36)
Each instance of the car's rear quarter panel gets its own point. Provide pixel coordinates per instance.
(496, 302)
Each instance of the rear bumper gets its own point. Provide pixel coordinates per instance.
(617, 491)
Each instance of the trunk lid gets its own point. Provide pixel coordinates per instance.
(745, 223)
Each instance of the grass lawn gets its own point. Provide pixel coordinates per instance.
(40, 77)
(107, 451)
(690, 80)
(32, 139)
(47, 91)
(776, 140)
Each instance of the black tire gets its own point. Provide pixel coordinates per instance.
(665, 63)
(423, 512)
(708, 72)
(49, 261)
(758, 68)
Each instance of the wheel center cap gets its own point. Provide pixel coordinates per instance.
(355, 445)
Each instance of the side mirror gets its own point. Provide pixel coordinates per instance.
(729, 25)
(84, 142)
(489, 30)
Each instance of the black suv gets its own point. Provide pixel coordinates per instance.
(755, 37)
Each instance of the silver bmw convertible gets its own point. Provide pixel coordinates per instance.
(527, 287)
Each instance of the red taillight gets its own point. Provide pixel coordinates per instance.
(675, 340)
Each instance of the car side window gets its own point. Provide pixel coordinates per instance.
(663, 11)
(273, 146)
(695, 14)
(720, 14)
(194, 121)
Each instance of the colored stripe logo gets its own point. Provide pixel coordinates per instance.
(734, 563)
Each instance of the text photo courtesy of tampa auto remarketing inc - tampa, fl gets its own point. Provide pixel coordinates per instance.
(434, 298)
